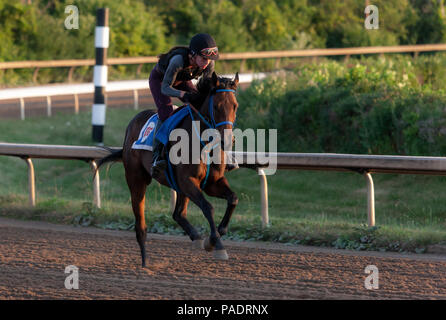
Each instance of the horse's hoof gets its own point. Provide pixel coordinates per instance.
(198, 244)
(221, 254)
(207, 245)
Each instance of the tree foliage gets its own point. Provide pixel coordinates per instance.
(149, 27)
(373, 106)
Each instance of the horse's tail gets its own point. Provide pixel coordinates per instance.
(113, 157)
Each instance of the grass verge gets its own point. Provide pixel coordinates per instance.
(312, 208)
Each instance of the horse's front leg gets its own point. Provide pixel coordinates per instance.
(180, 214)
(190, 186)
(222, 190)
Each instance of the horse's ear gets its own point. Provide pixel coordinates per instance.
(236, 79)
(215, 80)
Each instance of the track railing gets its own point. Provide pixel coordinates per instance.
(242, 56)
(75, 90)
(30, 151)
(362, 164)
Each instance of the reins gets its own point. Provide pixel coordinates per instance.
(213, 124)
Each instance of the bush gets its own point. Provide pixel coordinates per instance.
(359, 109)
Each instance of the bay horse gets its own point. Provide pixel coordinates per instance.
(214, 105)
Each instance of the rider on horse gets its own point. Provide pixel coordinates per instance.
(171, 77)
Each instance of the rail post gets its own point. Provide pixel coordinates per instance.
(138, 70)
(22, 109)
(100, 75)
(76, 104)
(70, 74)
(48, 106)
(36, 71)
(96, 184)
(31, 182)
(264, 197)
(242, 65)
(135, 99)
(370, 199)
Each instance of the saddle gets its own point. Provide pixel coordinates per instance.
(145, 138)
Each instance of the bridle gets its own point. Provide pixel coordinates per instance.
(211, 109)
(211, 122)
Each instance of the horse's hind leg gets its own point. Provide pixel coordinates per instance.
(179, 215)
(137, 181)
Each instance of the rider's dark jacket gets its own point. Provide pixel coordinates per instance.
(176, 68)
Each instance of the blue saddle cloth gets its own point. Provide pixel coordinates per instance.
(171, 123)
(145, 138)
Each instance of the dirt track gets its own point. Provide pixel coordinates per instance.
(33, 257)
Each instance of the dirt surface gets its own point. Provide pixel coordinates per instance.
(33, 257)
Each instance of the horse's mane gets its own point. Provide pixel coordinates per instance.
(205, 86)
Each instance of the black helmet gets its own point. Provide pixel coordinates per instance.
(204, 45)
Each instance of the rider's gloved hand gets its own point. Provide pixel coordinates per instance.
(188, 97)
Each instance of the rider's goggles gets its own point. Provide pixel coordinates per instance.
(209, 52)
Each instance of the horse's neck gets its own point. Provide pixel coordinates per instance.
(204, 109)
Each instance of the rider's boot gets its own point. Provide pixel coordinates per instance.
(158, 163)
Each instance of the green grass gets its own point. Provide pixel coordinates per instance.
(306, 207)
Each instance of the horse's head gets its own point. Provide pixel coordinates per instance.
(220, 105)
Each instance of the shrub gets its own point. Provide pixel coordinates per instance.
(359, 109)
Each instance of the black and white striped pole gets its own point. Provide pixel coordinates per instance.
(101, 39)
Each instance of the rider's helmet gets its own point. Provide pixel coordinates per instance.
(204, 45)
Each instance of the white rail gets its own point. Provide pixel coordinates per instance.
(49, 91)
(363, 164)
(83, 88)
(29, 151)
